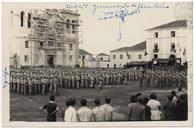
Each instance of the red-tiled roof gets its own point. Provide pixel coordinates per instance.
(173, 24)
(137, 47)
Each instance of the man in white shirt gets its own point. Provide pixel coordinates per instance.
(84, 114)
(70, 113)
(98, 113)
(107, 109)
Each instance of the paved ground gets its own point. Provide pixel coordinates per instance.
(25, 108)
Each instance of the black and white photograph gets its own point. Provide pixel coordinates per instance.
(125, 62)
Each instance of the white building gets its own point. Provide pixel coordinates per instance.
(103, 60)
(168, 41)
(44, 37)
(103, 57)
(122, 56)
(86, 59)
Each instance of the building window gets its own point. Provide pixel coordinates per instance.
(155, 48)
(139, 56)
(22, 18)
(70, 47)
(26, 59)
(50, 43)
(172, 33)
(59, 45)
(114, 56)
(121, 56)
(68, 24)
(41, 43)
(172, 47)
(29, 20)
(83, 57)
(156, 34)
(26, 44)
(70, 57)
(73, 26)
(129, 56)
(155, 56)
(101, 58)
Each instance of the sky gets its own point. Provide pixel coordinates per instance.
(100, 35)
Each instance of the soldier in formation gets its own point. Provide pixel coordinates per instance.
(44, 80)
(164, 79)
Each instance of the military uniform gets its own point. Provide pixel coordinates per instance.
(55, 89)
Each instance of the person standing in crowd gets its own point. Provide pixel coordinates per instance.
(180, 91)
(84, 114)
(108, 110)
(51, 109)
(97, 112)
(147, 109)
(138, 95)
(70, 113)
(63, 110)
(135, 111)
(182, 108)
(131, 106)
(155, 107)
(169, 109)
(174, 100)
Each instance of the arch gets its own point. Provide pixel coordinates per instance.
(172, 56)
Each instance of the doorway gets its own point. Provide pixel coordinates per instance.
(107, 65)
(115, 66)
(50, 60)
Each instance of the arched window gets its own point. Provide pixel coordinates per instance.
(22, 18)
(29, 20)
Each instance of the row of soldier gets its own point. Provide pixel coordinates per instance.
(34, 85)
(31, 82)
(163, 79)
(43, 80)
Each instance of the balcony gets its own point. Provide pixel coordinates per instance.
(155, 50)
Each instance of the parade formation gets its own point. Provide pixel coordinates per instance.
(43, 80)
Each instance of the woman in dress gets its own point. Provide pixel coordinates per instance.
(155, 107)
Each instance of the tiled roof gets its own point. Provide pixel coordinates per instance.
(137, 47)
(84, 52)
(103, 54)
(173, 24)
